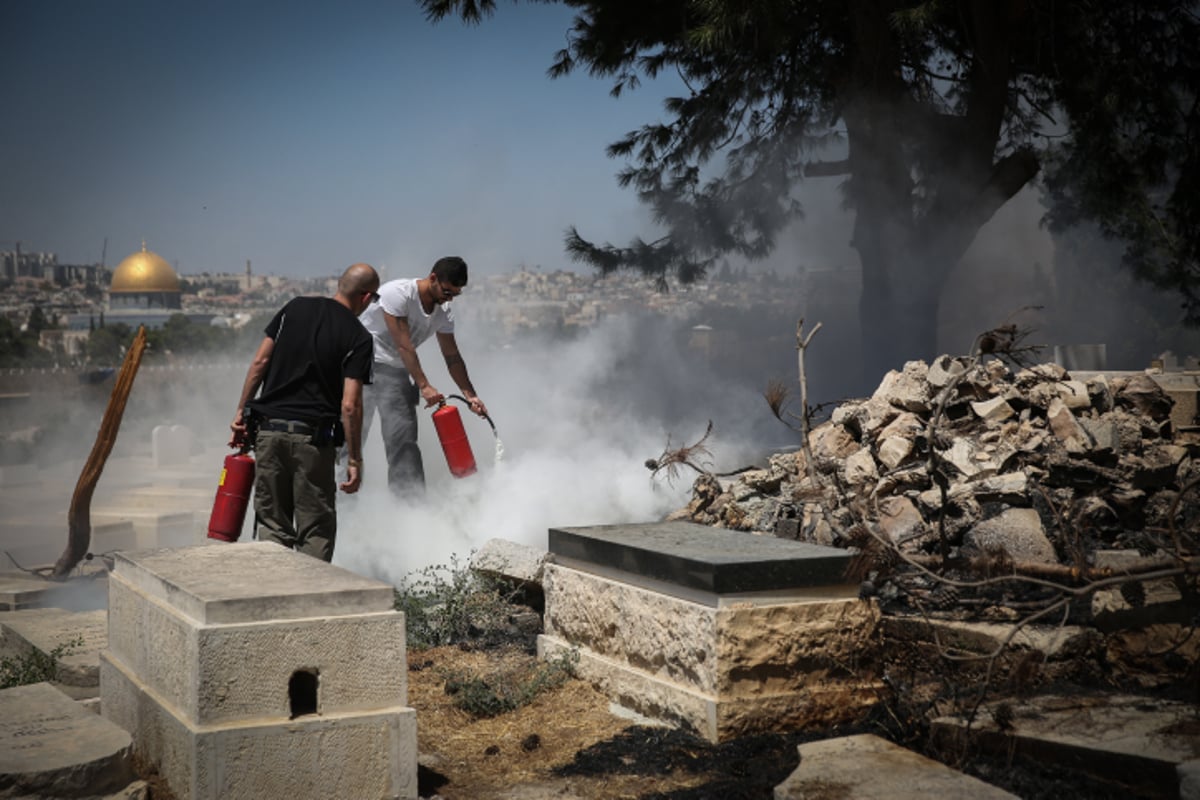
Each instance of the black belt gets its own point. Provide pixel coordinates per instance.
(286, 426)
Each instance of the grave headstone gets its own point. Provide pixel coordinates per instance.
(50, 746)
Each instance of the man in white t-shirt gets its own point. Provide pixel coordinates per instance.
(408, 312)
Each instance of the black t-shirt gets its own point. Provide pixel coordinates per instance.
(318, 343)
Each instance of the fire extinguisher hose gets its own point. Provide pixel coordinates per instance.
(468, 402)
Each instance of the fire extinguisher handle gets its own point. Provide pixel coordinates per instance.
(468, 402)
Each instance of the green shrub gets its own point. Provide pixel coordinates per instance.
(508, 688)
(451, 604)
(35, 666)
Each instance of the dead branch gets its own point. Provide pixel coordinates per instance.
(1075, 575)
(79, 519)
(670, 460)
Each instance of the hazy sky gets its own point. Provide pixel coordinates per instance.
(304, 135)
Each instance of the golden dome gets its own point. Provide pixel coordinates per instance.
(146, 271)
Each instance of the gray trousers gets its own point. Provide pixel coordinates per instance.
(295, 493)
(395, 395)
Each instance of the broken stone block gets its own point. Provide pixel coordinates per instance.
(961, 456)
(1105, 436)
(831, 442)
(860, 468)
(944, 370)
(1046, 372)
(510, 560)
(906, 425)
(1100, 393)
(1009, 487)
(899, 519)
(1142, 394)
(1018, 531)
(869, 416)
(1074, 394)
(1156, 468)
(894, 450)
(1066, 427)
(996, 409)
(907, 389)
(763, 481)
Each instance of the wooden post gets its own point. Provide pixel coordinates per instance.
(801, 345)
(79, 517)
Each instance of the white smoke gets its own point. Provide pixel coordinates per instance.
(576, 420)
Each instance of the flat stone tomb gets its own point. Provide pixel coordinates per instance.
(722, 632)
(51, 746)
(17, 591)
(82, 635)
(700, 561)
(249, 671)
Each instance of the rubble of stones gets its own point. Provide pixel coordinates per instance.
(1045, 467)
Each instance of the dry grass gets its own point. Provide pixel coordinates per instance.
(515, 755)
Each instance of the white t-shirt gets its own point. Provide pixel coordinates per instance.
(400, 299)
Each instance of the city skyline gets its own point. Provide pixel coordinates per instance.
(303, 140)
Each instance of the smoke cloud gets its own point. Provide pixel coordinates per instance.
(576, 418)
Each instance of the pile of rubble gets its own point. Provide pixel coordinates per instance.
(967, 454)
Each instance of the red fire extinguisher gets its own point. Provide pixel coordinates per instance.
(233, 495)
(454, 440)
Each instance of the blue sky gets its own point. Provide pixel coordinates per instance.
(304, 136)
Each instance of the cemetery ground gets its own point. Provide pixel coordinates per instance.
(565, 741)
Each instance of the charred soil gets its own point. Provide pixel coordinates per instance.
(568, 743)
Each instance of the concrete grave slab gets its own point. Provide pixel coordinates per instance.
(1135, 741)
(20, 591)
(700, 558)
(52, 747)
(264, 581)
(153, 528)
(45, 629)
(866, 767)
(38, 541)
(517, 562)
(166, 498)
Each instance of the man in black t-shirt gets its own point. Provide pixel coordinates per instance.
(311, 367)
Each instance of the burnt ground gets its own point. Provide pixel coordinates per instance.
(567, 743)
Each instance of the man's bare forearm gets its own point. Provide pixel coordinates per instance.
(458, 371)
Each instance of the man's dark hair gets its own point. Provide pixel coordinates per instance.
(452, 270)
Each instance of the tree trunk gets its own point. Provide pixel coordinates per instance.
(910, 235)
(79, 517)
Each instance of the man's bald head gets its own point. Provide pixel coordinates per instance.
(358, 279)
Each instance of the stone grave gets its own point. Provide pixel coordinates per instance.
(866, 767)
(18, 591)
(50, 746)
(251, 671)
(152, 528)
(1144, 743)
(39, 540)
(81, 634)
(722, 632)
